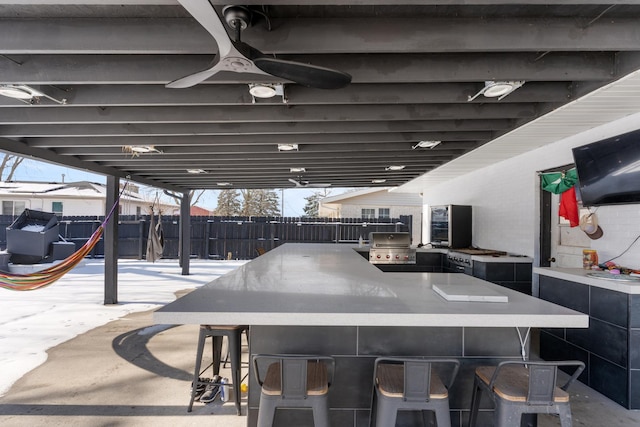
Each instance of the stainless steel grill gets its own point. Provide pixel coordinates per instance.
(391, 248)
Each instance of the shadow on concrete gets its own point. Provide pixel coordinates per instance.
(132, 347)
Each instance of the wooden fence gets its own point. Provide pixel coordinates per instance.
(222, 237)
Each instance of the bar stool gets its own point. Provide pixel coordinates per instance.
(217, 333)
(410, 383)
(294, 381)
(518, 387)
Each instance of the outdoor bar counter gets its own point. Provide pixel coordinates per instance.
(327, 299)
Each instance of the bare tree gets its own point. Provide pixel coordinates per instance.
(9, 164)
(194, 196)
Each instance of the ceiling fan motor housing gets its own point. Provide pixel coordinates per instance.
(237, 16)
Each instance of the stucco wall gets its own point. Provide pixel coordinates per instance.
(505, 200)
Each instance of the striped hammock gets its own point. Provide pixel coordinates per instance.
(42, 278)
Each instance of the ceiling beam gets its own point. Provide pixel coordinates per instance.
(325, 35)
(421, 129)
(276, 158)
(185, 148)
(266, 143)
(262, 114)
(16, 147)
(209, 94)
(382, 68)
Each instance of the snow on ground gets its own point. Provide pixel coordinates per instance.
(34, 321)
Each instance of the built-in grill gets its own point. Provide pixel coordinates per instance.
(391, 248)
(461, 259)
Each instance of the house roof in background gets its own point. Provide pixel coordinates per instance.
(80, 189)
(374, 195)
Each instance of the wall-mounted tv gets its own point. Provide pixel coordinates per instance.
(609, 170)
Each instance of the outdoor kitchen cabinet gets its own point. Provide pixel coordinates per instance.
(426, 262)
(512, 275)
(610, 346)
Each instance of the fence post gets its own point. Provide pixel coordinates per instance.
(140, 238)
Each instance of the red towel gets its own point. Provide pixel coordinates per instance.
(569, 207)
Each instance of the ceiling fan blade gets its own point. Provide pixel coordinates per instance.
(307, 184)
(207, 16)
(297, 183)
(195, 78)
(304, 74)
(239, 57)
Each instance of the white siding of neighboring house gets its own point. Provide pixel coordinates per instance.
(81, 201)
(506, 197)
(398, 204)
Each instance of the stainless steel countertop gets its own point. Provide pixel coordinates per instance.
(332, 285)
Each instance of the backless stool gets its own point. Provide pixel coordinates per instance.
(217, 333)
(411, 384)
(294, 381)
(518, 388)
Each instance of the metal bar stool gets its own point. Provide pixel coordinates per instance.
(217, 333)
(518, 387)
(294, 381)
(410, 384)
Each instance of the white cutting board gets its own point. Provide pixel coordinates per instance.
(469, 293)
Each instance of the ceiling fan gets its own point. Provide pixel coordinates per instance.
(306, 184)
(239, 57)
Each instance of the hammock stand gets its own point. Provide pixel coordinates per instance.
(43, 278)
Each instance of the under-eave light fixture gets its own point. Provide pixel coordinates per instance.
(287, 147)
(137, 150)
(267, 90)
(297, 170)
(498, 89)
(378, 181)
(196, 171)
(394, 168)
(426, 144)
(26, 94)
(223, 184)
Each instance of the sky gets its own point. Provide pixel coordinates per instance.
(31, 322)
(32, 170)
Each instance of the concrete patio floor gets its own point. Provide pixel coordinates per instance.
(131, 372)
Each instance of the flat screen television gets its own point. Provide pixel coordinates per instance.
(609, 170)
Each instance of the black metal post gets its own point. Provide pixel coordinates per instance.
(111, 243)
(185, 233)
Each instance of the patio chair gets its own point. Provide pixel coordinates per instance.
(294, 381)
(518, 387)
(410, 384)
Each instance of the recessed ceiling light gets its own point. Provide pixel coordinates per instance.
(378, 181)
(287, 147)
(223, 184)
(25, 93)
(16, 91)
(297, 170)
(262, 90)
(142, 148)
(136, 150)
(426, 144)
(394, 168)
(196, 171)
(498, 89)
